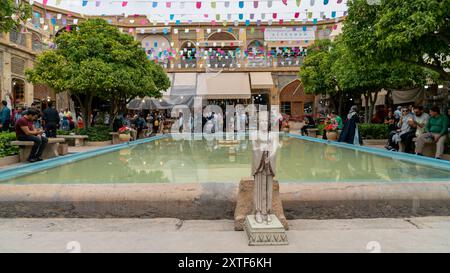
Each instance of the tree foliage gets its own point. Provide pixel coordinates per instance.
(416, 32)
(12, 14)
(96, 60)
(395, 45)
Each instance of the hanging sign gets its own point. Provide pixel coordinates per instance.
(288, 34)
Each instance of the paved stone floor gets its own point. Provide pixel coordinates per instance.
(425, 234)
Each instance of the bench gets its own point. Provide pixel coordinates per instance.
(115, 137)
(74, 140)
(429, 149)
(312, 132)
(49, 152)
(143, 133)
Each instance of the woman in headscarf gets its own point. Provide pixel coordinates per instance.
(350, 133)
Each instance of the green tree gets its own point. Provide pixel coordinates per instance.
(12, 13)
(415, 32)
(96, 60)
(316, 72)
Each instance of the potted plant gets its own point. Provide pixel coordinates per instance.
(124, 134)
(331, 130)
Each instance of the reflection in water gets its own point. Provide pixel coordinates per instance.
(189, 161)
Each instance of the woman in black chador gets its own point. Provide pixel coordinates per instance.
(350, 132)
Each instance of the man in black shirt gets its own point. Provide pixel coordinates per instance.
(51, 119)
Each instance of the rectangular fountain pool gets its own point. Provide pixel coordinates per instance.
(165, 160)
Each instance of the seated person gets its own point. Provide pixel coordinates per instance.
(436, 132)
(309, 123)
(390, 121)
(25, 131)
(404, 134)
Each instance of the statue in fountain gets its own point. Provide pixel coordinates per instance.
(265, 145)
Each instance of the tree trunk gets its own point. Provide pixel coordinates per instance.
(373, 101)
(366, 107)
(341, 106)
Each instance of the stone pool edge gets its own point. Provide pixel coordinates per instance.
(28, 168)
(428, 161)
(218, 200)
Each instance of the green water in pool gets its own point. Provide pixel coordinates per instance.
(190, 161)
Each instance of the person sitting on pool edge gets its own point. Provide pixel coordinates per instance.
(436, 132)
(25, 131)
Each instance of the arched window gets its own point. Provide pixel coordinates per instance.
(16, 37)
(188, 54)
(221, 36)
(157, 47)
(18, 91)
(36, 42)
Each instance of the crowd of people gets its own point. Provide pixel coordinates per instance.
(410, 129)
(32, 124)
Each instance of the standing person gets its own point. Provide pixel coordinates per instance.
(106, 119)
(80, 123)
(5, 117)
(67, 112)
(51, 120)
(180, 122)
(65, 124)
(25, 131)
(436, 132)
(350, 132)
(140, 125)
(149, 120)
(18, 113)
(61, 115)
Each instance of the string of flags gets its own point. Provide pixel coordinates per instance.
(247, 14)
(202, 4)
(229, 21)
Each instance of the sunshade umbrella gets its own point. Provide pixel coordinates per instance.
(141, 104)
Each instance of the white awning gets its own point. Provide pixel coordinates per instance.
(224, 85)
(261, 80)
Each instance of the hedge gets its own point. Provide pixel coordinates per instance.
(96, 133)
(373, 131)
(5, 147)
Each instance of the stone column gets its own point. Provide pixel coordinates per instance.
(200, 38)
(243, 40)
(6, 77)
(28, 41)
(176, 46)
(29, 87)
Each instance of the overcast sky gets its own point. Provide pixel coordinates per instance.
(185, 10)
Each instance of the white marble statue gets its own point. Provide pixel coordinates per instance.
(265, 145)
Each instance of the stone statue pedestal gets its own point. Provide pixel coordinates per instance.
(244, 204)
(272, 233)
